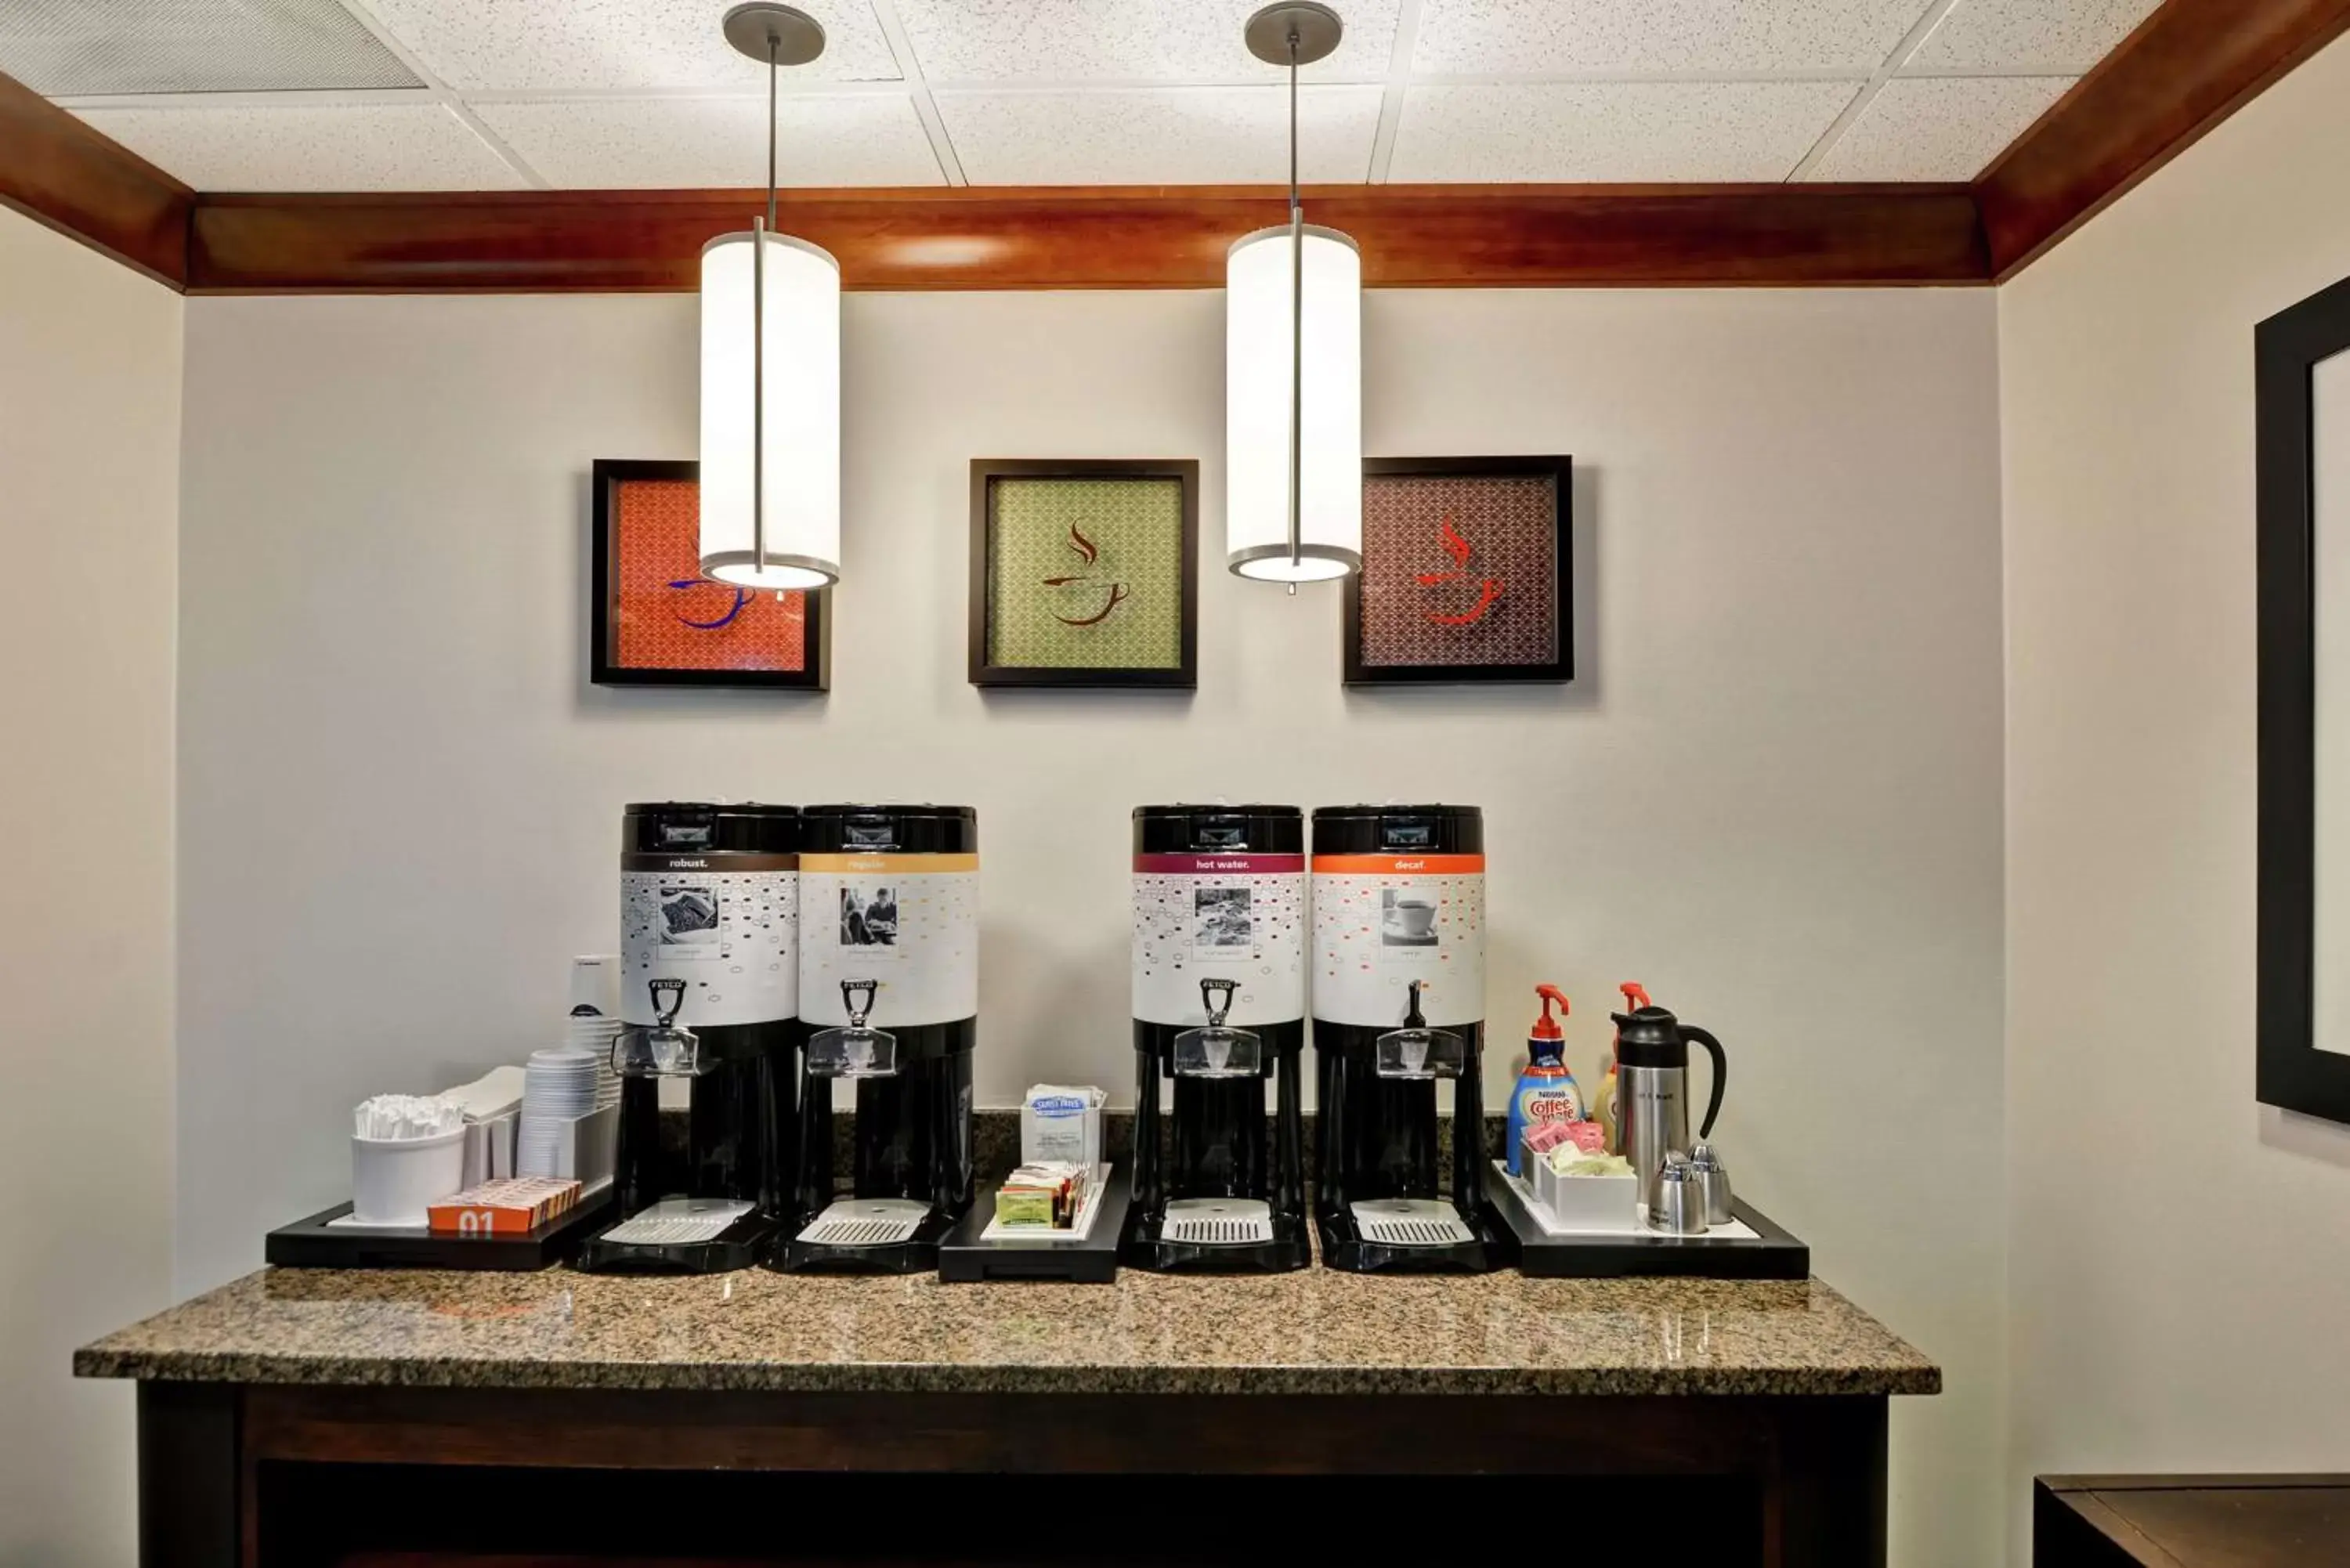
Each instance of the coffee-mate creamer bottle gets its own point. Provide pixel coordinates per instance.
(1546, 1091)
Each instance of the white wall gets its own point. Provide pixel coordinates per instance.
(1773, 795)
(89, 470)
(2181, 1256)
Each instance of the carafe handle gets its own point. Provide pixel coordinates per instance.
(1720, 1076)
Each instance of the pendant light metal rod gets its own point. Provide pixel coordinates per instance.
(1296, 331)
(760, 230)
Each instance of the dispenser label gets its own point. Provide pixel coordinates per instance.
(726, 925)
(1235, 917)
(910, 923)
(1381, 922)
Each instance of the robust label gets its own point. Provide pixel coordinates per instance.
(1236, 917)
(726, 924)
(1381, 922)
(910, 923)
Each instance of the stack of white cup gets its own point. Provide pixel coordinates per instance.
(558, 1087)
(594, 1022)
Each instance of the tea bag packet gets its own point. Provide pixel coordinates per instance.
(857, 1050)
(1218, 1051)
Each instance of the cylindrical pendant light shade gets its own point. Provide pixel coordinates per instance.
(1257, 404)
(797, 431)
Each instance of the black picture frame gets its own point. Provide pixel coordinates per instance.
(603, 666)
(984, 472)
(1557, 670)
(2292, 1073)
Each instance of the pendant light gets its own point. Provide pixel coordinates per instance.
(1294, 364)
(770, 370)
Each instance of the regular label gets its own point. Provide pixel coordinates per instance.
(726, 925)
(1381, 922)
(909, 923)
(1233, 917)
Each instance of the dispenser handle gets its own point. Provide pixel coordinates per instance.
(1720, 1076)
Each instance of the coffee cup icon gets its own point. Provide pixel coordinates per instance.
(1415, 917)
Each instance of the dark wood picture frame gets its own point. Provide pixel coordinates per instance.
(984, 472)
(1559, 669)
(604, 667)
(2292, 1074)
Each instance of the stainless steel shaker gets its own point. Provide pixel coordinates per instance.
(1713, 1179)
(1679, 1208)
(1652, 1090)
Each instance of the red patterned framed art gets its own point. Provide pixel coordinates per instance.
(656, 621)
(1467, 572)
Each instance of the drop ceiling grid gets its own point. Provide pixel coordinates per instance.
(1161, 92)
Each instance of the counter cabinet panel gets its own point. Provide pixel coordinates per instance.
(248, 1476)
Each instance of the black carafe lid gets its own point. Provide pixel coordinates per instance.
(1398, 830)
(889, 829)
(685, 827)
(1209, 829)
(1649, 1037)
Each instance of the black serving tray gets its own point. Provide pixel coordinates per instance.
(313, 1243)
(1773, 1254)
(965, 1259)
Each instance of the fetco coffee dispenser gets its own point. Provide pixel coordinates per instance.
(889, 995)
(1399, 1002)
(707, 1056)
(1219, 1008)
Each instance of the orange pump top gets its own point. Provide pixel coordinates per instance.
(1546, 1027)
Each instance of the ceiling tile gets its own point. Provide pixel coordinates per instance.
(1558, 37)
(1124, 40)
(61, 48)
(822, 138)
(1937, 128)
(311, 147)
(2035, 37)
(1170, 135)
(1614, 131)
(522, 44)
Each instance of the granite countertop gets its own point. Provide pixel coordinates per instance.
(1315, 1332)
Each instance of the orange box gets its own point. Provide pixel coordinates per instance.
(511, 1206)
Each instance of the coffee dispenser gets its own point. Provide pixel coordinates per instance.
(1219, 961)
(708, 1002)
(1399, 1003)
(889, 995)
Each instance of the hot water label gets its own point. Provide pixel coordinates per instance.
(726, 924)
(1381, 922)
(1232, 916)
(910, 923)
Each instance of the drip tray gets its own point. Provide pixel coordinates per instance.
(1410, 1223)
(866, 1222)
(1217, 1222)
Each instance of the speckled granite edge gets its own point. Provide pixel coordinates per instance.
(954, 1378)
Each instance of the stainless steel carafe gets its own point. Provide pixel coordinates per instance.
(1652, 1090)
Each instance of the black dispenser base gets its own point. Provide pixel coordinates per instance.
(1344, 1248)
(1291, 1248)
(739, 1246)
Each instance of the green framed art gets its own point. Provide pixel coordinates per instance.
(1085, 572)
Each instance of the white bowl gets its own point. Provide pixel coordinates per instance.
(395, 1180)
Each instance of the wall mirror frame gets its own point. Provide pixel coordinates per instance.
(2302, 380)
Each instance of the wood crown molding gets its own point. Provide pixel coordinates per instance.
(2187, 67)
(58, 171)
(1095, 237)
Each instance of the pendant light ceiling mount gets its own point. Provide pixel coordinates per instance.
(1316, 29)
(767, 32)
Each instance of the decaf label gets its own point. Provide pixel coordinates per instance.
(1382, 921)
(730, 933)
(1235, 917)
(909, 923)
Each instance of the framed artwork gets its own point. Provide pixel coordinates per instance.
(2301, 380)
(656, 621)
(1084, 573)
(1466, 572)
